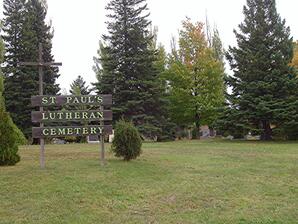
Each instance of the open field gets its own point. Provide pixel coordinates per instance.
(178, 182)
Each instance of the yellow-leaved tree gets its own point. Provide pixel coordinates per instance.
(195, 76)
(295, 56)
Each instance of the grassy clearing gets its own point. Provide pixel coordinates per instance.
(177, 182)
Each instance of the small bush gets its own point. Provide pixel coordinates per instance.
(8, 141)
(10, 136)
(20, 138)
(127, 142)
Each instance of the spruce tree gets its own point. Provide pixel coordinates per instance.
(263, 79)
(79, 86)
(14, 12)
(127, 69)
(103, 68)
(166, 125)
(38, 30)
(24, 28)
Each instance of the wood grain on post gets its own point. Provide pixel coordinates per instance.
(40, 64)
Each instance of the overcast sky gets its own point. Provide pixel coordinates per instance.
(79, 24)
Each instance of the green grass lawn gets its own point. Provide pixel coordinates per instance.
(178, 182)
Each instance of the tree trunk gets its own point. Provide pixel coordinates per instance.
(267, 131)
(197, 126)
(212, 132)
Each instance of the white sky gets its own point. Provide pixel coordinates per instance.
(79, 24)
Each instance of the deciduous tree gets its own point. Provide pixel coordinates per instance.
(294, 62)
(195, 78)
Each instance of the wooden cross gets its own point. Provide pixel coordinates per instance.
(41, 64)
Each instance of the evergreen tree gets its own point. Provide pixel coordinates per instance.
(24, 28)
(79, 86)
(127, 69)
(160, 65)
(37, 30)
(14, 12)
(217, 47)
(103, 68)
(263, 79)
(10, 135)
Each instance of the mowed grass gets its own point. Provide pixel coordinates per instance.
(178, 182)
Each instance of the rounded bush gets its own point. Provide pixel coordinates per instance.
(8, 141)
(10, 135)
(127, 142)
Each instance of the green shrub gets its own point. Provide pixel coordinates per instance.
(127, 142)
(8, 141)
(21, 140)
(10, 135)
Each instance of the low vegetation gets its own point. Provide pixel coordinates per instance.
(127, 142)
(178, 182)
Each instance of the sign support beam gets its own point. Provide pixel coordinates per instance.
(102, 142)
(42, 141)
(40, 65)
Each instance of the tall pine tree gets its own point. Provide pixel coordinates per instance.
(24, 28)
(127, 69)
(14, 12)
(263, 79)
(78, 87)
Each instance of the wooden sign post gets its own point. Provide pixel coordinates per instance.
(40, 65)
(102, 142)
(43, 117)
(46, 117)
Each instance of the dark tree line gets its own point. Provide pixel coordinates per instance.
(263, 100)
(130, 65)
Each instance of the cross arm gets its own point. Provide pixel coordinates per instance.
(55, 64)
(52, 64)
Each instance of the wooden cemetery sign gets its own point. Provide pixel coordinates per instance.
(64, 116)
(84, 116)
